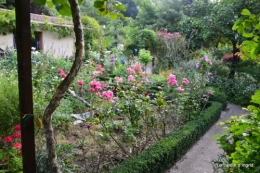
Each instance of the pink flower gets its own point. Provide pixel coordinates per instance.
(17, 127)
(17, 146)
(3, 161)
(211, 92)
(130, 71)
(95, 86)
(99, 67)
(210, 62)
(80, 83)
(119, 79)
(171, 77)
(180, 68)
(130, 78)
(17, 135)
(185, 81)
(8, 139)
(108, 95)
(137, 66)
(60, 70)
(63, 75)
(172, 80)
(206, 58)
(180, 89)
(197, 65)
(112, 101)
(95, 73)
(89, 125)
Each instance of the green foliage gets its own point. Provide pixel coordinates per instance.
(9, 107)
(145, 39)
(241, 138)
(145, 56)
(7, 23)
(146, 16)
(167, 151)
(168, 14)
(249, 27)
(93, 33)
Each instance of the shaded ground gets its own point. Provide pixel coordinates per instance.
(198, 158)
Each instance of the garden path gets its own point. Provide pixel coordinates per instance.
(198, 158)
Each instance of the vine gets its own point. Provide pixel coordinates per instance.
(7, 25)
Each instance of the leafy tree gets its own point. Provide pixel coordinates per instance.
(146, 16)
(249, 27)
(168, 14)
(131, 8)
(2, 2)
(210, 22)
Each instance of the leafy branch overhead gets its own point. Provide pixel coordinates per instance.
(249, 27)
(110, 8)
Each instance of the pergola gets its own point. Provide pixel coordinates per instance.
(23, 43)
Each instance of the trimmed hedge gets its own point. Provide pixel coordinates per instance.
(167, 151)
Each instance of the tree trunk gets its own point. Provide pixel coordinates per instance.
(63, 87)
(235, 60)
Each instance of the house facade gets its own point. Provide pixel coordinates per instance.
(47, 37)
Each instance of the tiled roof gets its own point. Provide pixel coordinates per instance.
(44, 18)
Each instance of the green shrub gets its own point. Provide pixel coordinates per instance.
(9, 107)
(240, 140)
(166, 152)
(219, 97)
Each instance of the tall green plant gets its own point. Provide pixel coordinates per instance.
(9, 107)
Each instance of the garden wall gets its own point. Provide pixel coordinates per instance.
(166, 152)
(58, 46)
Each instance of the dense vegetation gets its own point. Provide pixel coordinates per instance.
(123, 105)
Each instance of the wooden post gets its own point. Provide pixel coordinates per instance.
(23, 44)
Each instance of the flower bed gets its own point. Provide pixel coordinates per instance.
(167, 151)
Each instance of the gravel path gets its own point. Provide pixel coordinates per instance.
(198, 158)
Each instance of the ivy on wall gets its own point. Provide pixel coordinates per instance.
(7, 25)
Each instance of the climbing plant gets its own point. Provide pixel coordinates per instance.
(7, 25)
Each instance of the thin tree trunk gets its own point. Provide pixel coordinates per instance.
(63, 87)
(235, 60)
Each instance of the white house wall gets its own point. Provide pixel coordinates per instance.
(6, 41)
(58, 46)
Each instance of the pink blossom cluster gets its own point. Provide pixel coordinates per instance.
(80, 83)
(172, 80)
(108, 95)
(131, 71)
(95, 86)
(137, 67)
(99, 67)
(63, 75)
(119, 79)
(185, 81)
(96, 73)
(166, 36)
(130, 78)
(180, 90)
